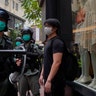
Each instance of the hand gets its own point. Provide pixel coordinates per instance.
(47, 88)
(41, 80)
(18, 62)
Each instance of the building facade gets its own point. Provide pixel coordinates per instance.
(78, 25)
(15, 11)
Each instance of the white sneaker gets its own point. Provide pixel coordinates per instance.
(85, 79)
(93, 83)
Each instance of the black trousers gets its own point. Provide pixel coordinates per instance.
(57, 88)
(7, 89)
(12, 90)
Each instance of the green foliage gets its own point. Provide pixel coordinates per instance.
(13, 34)
(32, 11)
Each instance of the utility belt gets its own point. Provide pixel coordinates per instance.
(31, 66)
(32, 69)
(31, 73)
(26, 69)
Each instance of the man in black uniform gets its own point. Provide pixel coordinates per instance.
(29, 80)
(6, 61)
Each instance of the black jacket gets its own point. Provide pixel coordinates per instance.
(7, 64)
(33, 57)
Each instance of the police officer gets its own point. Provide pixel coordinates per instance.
(29, 80)
(6, 61)
(18, 41)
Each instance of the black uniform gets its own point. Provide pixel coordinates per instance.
(7, 66)
(29, 79)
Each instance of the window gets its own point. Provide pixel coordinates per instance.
(18, 24)
(84, 23)
(6, 2)
(17, 6)
(13, 4)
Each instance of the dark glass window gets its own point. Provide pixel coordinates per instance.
(84, 22)
(13, 4)
(6, 2)
(17, 6)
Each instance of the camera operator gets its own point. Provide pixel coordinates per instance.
(29, 80)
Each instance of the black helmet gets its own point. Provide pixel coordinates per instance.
(19, 39)
(26, 30)
(4, 14)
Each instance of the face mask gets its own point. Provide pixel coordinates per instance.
(2, 25)
(18, 43)
(26, 37)
(48, 30)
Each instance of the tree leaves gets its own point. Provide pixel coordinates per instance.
(32, 11)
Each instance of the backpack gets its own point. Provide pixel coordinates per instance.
(69, 63)
(70, 66)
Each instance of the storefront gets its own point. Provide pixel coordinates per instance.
(78, 25)
(84, 21)
(84, 30)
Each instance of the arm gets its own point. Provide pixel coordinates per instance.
(57, 58)
(42, 71)
(41, 76)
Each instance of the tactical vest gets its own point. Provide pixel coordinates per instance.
(32, 61)
(5, 44)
